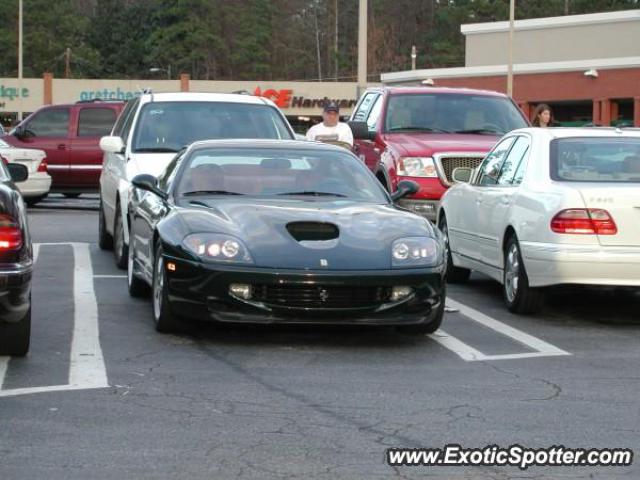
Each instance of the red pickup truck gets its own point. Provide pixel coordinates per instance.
(70, 135)
(424, 133)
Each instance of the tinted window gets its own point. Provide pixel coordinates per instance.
(165, 180)
(279, 172)
(52, 122)
(595, 159)
(490, 168)
(456, 113)
(95, 122)
(168, 126)
(511, 165)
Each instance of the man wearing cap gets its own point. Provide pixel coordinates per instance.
(331, 129)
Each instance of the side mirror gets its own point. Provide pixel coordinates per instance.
(17, 172)
(148, 183)
(361, 131)
(112, 145)
(405, 187)
(462, 174)
(21, 132)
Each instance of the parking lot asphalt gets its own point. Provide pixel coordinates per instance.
(102, 395)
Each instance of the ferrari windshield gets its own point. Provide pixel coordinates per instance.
(169, 126)
(452, 113)
(281, 172)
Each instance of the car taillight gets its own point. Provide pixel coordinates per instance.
(43, 166)
(10, 233)
(584, 221)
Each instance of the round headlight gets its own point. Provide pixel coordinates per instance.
(400, 251)
(213, 250)
(230, 248)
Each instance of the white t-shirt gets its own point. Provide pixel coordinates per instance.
(341, 132)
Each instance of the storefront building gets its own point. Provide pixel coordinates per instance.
(586, 67)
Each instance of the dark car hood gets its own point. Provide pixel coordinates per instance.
(366, 231)
(427, 144)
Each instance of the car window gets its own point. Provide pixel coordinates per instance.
(52, 122)
(511, 165)
(274, 171)
(122, 118)
(166, 179)
(490, 167)
(169, 126)
(126, 128)
(374, 114)
(595, 159)
(365, 106)
(95, 122)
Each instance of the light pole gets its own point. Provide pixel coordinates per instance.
(414, 55)
(160, 69)
(20, 61)
(512, 9)
(362, 47)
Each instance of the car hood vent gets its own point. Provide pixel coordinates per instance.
(313, 231)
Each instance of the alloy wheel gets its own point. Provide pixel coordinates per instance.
(512, 273)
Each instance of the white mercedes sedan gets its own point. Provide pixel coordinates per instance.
(37, 186)
(546, 207)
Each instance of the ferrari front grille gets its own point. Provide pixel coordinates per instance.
(318, 296)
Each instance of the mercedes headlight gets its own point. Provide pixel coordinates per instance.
(217, 247)
(417, 167)
(416, 252)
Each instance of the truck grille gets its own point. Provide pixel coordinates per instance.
(448, 163)
(317, 296)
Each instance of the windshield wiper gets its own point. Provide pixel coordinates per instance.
(481, 131)
(315, 194)
(419, 129)
(156, 150)
(210, 192)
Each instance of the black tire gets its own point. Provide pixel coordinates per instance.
(163, 317)
(72, 195)
(15, 337)
(454, 274)
(32, 201)
(137, 287)
(120, 251)
(105, 240)
(427, 328)
(518, 296)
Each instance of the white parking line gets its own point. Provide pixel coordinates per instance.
(470, 354)
(87, 369)
(109, 276)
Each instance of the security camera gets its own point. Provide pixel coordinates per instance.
(593, 73)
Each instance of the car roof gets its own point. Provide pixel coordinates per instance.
(267, 143)
(568, 132)
(437, 91)
(204, 97)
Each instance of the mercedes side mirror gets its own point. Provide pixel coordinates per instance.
(405, 187)
(17, 172)
(462, 174)
(112, 144)
(148, 183)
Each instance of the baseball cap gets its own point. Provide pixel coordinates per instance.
(331, 107)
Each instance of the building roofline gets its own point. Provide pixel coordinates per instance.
(521, 68)
(552, 22)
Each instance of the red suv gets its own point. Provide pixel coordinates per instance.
(424, 133)
(69, 134)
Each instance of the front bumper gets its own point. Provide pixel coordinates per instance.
(556, 264)
(201, 292)
(15, 291)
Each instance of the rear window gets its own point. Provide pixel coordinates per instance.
(595, 159)
(169, 126)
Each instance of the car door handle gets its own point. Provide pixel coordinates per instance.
(376, 150)
(62, 146)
